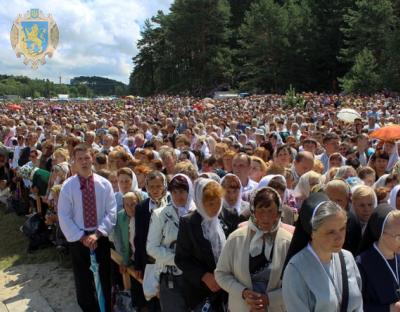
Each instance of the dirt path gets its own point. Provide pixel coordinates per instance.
(38, 287)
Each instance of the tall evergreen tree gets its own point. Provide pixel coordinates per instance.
(263, 44)
(198, 33)
(363, 78)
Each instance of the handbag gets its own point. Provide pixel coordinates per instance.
(151, 281)
(345, 284)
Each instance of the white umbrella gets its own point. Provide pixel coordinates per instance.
(348, 115)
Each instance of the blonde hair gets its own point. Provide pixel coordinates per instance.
(318, 166)
(61, 152)
(56, 189)
(394, 215)
(133, 195)
(361, 191)
(261, 162)
(187, 168)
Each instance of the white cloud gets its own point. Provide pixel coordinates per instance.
(97, 37)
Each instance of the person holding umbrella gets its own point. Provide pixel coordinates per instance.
(87, 213)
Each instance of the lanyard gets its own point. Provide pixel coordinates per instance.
(395, 275)
(332, 279)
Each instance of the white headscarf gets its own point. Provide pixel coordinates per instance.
(303, 188)
(256, 243)
(381, 181)
(211, 227)
(238, 204)
(393, 196)
(189, 205)
(135, 185)
(265, 181)
(393, 158)
(164, 200)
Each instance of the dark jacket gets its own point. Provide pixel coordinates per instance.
(195, 258)
(353, 233)
(142, 221)
(230, 220)
(379, 285)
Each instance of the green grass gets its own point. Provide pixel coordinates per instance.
(13, 244)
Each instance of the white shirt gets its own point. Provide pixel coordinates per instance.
(70, 208)
(17, 152)
(247, 189)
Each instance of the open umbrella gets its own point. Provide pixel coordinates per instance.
(94, 267)
(14, 107)
(348, 115)
(388, 133)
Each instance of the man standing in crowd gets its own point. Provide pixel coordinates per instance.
(87, 214)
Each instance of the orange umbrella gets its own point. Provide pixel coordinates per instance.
(14, 107)
(388, 133)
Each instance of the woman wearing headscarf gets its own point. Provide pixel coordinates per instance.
(392, 150)
(251, 262)
(156, 186)
(198, 247)
(394, 197)
(320, 275)
(127, 182)
(306, 183)
(278, 183)
(379, 261)
(234, 209)
(161, 242)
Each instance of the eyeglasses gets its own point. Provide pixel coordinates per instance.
(395, 236)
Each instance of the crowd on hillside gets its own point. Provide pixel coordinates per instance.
(243, 204)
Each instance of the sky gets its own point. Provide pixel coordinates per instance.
(97, 37)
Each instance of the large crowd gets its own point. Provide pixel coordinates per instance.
(243, 204)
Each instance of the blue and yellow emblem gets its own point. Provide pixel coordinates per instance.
(34, 36)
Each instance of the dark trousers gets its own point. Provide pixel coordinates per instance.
(171, 293)
(84, 281)
(138, 300)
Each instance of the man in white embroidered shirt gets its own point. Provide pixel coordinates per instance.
(87, 213)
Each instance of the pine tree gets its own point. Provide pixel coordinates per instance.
(363, 77)
(263, 43)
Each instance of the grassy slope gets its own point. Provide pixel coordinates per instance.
(13, 244)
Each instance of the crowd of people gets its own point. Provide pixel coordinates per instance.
(242, 204)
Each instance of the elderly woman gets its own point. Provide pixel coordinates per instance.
(320, 275)
(198, 247)
(379, 261)
(161, 242)
(278, 183)
(306, 183)
(251, 262)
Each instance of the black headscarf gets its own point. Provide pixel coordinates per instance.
(374, 228)
(303, 230)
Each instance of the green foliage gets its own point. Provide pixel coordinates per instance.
(292, 99)
(185, 51)
(263, 42)
(266, 46)
(363, 77)
(80, 86)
